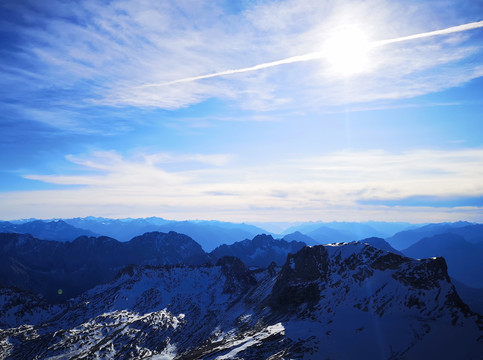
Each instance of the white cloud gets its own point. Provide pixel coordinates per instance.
(332, 186)
(115, 50)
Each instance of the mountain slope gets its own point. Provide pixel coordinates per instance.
(343, 301)
(471, 233)
(298, 236)
(471, 296)
(382, 244)
(404, 239)
(73, 267)
(326, 235)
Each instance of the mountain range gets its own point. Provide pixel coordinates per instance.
(60, 271)
(406, 238)
(209, 234)
(353, 230)
(464, 262)
(261, 251)
(57, 230)
(341, 301)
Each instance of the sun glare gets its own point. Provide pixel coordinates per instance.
(347, 51)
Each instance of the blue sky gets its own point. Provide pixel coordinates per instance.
(106, 110)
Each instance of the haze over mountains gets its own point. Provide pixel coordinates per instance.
(260, 296)
(57, 230)
(406, 238)
(462, 254)
(209, 234)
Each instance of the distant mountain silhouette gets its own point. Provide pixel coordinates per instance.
(119, 229)
(464, 259)
(261, 251)
(379, 243)
(471, 233)
(406, 238)
(57, 230)
(304, 228)
(209, 234)
(359, 230)
(46, 266)
(298, 236)
(325, 235)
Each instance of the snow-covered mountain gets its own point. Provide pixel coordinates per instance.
(343, 301)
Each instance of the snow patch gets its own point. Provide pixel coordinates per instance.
(168, 353)
(241, 345)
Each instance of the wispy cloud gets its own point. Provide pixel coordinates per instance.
(173, 55)
(352, 184)
(318, 55)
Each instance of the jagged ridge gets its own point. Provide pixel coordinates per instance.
(389, 306)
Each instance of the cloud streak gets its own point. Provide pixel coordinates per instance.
(447, 31)
(341, 184)
(149, 55)
(318, 55)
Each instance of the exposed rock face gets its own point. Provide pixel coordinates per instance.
(238, 278)
(300, 279)
(341, 301)
(161, 248)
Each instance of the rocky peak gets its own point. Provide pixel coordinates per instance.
(93, 241)
(262, 240)
(260, 251)
(299, 279)
(238, 277)
(345, 299)
(167, 248)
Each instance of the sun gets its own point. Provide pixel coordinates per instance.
(347, 51)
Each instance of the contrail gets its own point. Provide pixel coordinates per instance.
(450, 30)
(319, 54)
(306, 57)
